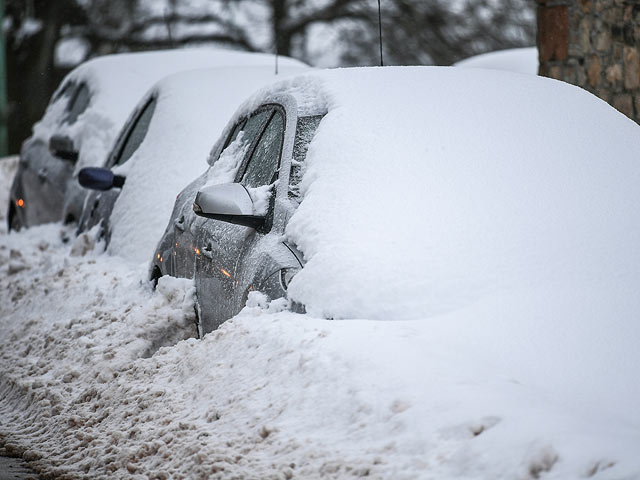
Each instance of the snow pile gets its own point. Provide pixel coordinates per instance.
(506, 389)
(518, 60)
(191, 111)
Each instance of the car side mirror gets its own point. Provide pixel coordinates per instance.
(62, 147)
(229, 203)
(99, 178)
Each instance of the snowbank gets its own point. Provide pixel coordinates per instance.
(92, 388)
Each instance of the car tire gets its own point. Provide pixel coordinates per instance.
(156, 273)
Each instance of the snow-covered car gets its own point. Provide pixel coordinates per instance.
(82, 120)
(164, 145)
(393, 212)
(518, 60)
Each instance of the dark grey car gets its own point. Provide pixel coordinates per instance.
(46, 166)
(226, 237)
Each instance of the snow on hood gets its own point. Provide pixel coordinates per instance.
(117, 82)
(191, 111)
(429, 188)
(518, 60)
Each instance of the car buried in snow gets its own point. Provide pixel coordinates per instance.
(398, 193)
(162, 147)
(82, 121)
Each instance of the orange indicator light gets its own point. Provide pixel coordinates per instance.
(20, 202)
(160, 259)
(225, 273)
(197, 250)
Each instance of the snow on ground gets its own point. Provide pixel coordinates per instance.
(536, 378)
(502, 390)
(518, 60)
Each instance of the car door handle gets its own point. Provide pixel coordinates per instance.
(42, 173)
(179, 224)
(208, 251)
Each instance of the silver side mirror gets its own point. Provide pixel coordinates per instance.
(228, 202)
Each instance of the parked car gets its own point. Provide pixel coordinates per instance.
(82, 121)
(403, 193)
(164, 144)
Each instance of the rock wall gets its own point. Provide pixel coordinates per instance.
(594, 44)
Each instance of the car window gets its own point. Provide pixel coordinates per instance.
(305, 130)
(234, 134)
(78, 104)
(254, 125)
(136, 133)
(64, 91)
(265, 158)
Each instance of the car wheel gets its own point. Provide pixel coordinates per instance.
(155, 276)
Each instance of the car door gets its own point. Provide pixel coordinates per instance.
(99, 204)
(220, 274)
(45, 175)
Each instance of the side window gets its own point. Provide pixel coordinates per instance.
(227, 166)
(78, 104)
(305, 130)
(265, 158)
(234, 134)
(136, 133)
(65, 91)
(253, 126)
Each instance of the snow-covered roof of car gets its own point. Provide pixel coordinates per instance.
(518, 60)
(428, 188)
(116, 83)
(191, 110)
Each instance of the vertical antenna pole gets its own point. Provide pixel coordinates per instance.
(380, 32)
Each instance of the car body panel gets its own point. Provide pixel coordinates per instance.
(228, 261)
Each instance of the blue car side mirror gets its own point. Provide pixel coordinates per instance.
(99, 178)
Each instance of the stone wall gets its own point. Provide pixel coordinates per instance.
(594, 44)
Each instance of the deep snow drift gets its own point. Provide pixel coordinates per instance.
(507, 389)
(536, 377)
